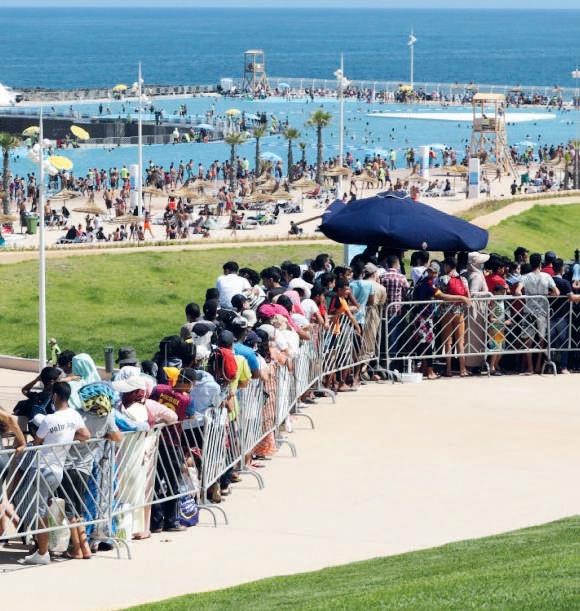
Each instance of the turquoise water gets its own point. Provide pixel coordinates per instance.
(56, 47)
(362, 132)
(92, 47)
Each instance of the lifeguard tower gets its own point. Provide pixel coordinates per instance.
(489, 137)
(255, 78)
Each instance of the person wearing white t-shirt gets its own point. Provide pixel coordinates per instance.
(62, 428)
(230, 284)
(537, 285)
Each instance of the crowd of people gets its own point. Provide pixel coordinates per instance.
(253, 322)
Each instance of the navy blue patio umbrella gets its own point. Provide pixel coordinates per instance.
(394, 220)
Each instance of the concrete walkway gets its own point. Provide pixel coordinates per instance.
(493, 218)
(389, 469)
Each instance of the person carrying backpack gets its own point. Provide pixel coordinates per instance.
(453, 319)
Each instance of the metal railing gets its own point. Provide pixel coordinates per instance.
(113, 489)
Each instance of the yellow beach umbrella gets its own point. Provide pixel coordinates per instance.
(232, 112)
(33, 130)
(120, 87)
(79, 132)
(61, 163)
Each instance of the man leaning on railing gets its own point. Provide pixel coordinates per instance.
(57, 430)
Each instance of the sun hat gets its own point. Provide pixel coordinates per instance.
(370, 268)
(127, 355)
(434, 267)
(130, 384)
(477, 258)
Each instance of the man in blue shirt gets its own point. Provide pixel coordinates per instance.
(239, 327)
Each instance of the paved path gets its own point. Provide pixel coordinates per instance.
(389, 469)
(493, 218)
(18, 256)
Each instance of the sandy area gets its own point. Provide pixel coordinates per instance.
(311, 208)
(389, 469)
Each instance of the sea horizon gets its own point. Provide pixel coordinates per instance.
(63, 47)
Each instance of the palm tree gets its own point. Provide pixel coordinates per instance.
(258, 133)
(234, 140)
(7, 143)
(290, 133)
(319, 119)
(302, 146)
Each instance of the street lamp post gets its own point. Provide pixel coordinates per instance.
(342, 84)
(576, 177)
(42, 253)
(140, 145)
(411, 43)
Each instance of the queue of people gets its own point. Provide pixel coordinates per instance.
(251, 324)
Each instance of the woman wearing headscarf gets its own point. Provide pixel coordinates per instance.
(475, 338)
(133, 460)
(84, 371)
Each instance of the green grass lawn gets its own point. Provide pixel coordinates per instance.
(125, 299)
(540, 229)
(138, 298)
(535, 568)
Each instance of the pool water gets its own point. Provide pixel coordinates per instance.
(362, 132)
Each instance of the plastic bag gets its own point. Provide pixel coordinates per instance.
(58, 540)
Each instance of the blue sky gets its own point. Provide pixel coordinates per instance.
(408, 4)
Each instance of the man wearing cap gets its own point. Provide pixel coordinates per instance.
(374, 312)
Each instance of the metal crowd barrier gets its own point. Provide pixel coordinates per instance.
(564, 329)
(427, 330)
(150, 473)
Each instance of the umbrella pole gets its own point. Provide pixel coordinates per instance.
(42, 258)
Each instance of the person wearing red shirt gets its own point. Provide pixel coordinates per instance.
(549, 259)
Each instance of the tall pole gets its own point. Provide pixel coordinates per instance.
(576, 169)
(140, 146)
(42, 255)
(412, 41)
(341, 126)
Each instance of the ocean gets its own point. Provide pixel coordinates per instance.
(65, 48)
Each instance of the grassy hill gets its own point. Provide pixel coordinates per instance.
(534, 568)
(540, 229)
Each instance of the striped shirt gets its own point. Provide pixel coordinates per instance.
(395, 283)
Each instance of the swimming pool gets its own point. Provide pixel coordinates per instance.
(363, 131)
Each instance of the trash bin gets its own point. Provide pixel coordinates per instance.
(31, 224)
